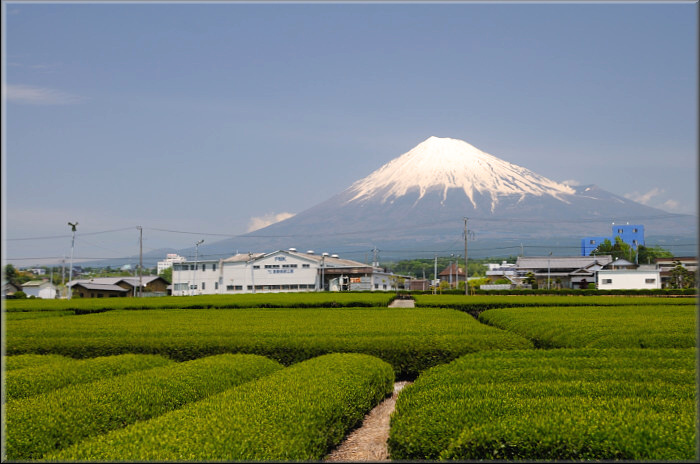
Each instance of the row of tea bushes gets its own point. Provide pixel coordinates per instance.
(640, 326)
(55, 420)
(410, 339)
(296, 414)
(259, 300)
(485, 302)
(573, 404)
(23, 361)
(22, 383)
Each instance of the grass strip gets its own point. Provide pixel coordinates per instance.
(22, 383)
(55, 420)
(296, 414)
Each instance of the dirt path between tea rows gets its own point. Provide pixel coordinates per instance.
(368, 443)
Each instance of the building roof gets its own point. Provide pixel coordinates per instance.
(242, 257)
(329, 261)
(35, 283)
(561, 262)
(133, 281)
(93, 286)
(452, 270)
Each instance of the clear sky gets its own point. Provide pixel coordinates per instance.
(214, 118)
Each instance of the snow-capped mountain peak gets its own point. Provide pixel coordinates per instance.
(443, 164)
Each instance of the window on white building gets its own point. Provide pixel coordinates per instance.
(607, 281)
(649, 281)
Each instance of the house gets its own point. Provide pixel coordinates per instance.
(87, 289)
(279, 271)
(452, 274)
(504, 270)
(624, 279)
(40, 289)
(92, 288)
(8, 288)
(560, 271)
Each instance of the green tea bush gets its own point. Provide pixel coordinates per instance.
(258, 300)
(23, 361)
(645, 326)
(55, 420)
(573, 404)
(475, 304)
(22, 383)
(410, 339)
(297, 414)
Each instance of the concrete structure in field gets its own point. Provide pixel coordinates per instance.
(279, 271)
(628, 279)
(632, 235)
(40, 289)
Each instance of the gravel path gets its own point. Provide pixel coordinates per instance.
(368, 443)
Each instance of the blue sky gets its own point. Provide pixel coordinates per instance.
(210, 118)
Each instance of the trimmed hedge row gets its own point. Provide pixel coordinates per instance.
(600, 327)
(260, 300)
(297, 414)
(573, 291)
(22, 383)
(55, 420)
(24, 361)
(410, 339)
(574, 404)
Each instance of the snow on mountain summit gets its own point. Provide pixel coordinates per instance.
(444, 164)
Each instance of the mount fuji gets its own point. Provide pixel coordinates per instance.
(416, 204)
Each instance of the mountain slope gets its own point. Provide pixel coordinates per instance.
(418, 201)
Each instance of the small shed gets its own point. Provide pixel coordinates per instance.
(40, 289)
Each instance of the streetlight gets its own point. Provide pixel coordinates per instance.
(548, 267)
(72, 246)
(196, 256)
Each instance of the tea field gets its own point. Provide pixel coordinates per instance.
(287, 376)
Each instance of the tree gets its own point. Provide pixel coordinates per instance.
(619, 250)
(681, 277)
(647, 255)
(167, 274)
(530, 279)
(10, 273)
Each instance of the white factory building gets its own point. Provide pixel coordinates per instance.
(280, 271)
(168, 261)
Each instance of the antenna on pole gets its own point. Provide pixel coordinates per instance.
(72, 246)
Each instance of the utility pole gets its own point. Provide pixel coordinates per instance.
(196, 257)
(72, 246)
(252, 273)
(435, 276)
(466, 279)
(140, 260)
